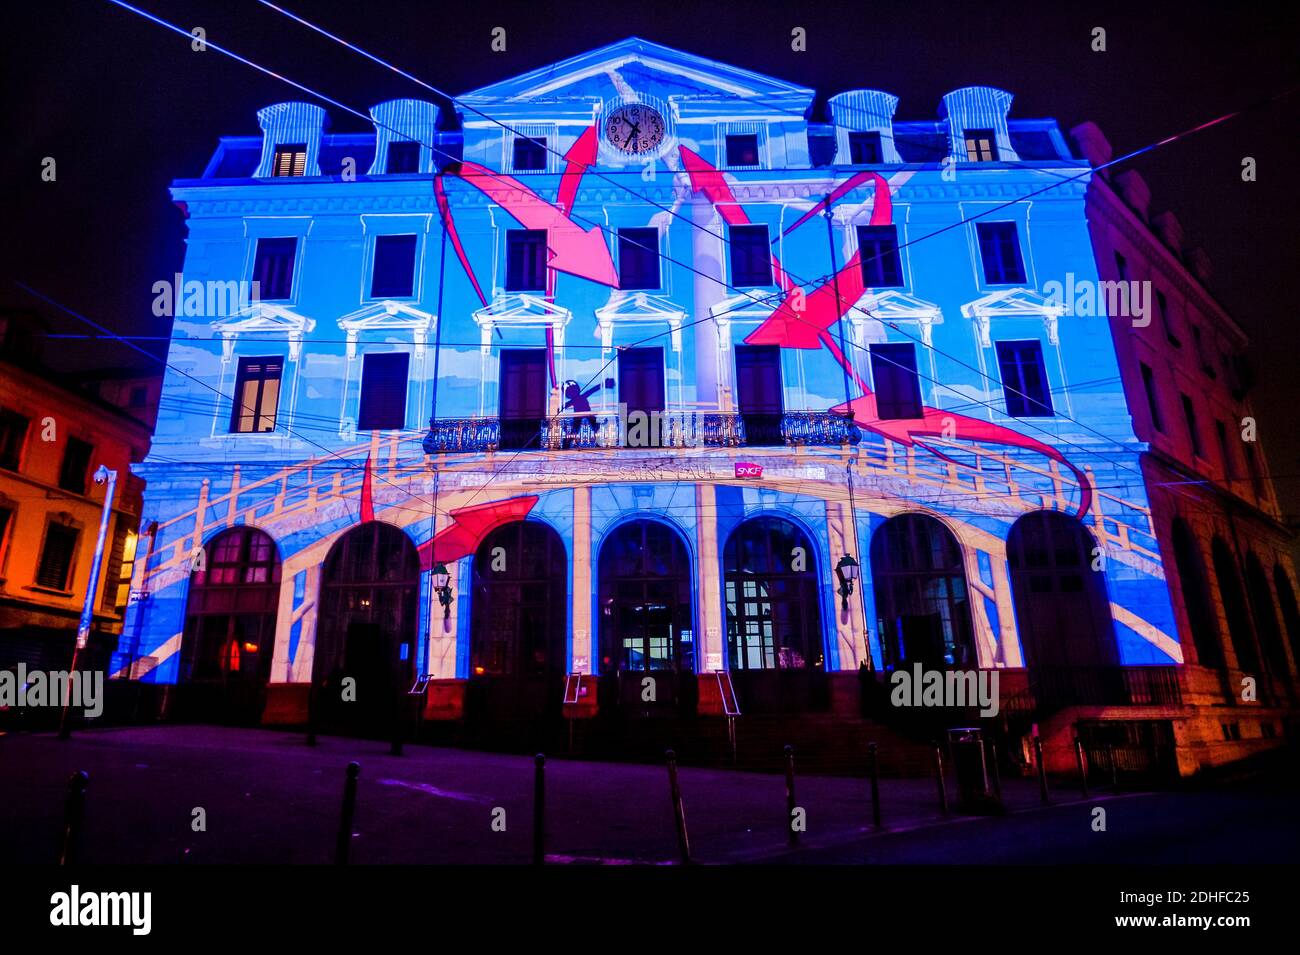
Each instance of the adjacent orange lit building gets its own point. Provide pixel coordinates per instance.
(52, 439)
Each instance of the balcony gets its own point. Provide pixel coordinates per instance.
(1056, 687)
(668, 429)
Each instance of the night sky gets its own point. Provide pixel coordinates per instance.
(125, 106)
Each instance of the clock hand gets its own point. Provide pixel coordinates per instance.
(632, 135)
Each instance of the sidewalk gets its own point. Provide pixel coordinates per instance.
(269, 798)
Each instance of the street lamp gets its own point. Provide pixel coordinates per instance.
(442, 587)
(847, 571)
(103, 475)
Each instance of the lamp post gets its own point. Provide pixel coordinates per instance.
(442, 587)
(847, 571)
(106, 476)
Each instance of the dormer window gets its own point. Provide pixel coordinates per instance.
(742, 150)
(290, 160)
(403, 158)
(981, 146)
(530, 154)
(865, 149)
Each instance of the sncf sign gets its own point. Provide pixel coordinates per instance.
(746, 470)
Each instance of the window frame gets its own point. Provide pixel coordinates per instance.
(75, 483)
(70, 573)
(241, 379)
(892, 257)
(531, 147)
(1000, 245)
(263, 290)
(758, 150)
(866, 138)
(405, 147)
(297, 167)
(375, 360)
(886, 366)
(1030, 405)
(749, 229)
(640, 247)
(993, 154)
(517, 283)
(387, 241)
(18, 443)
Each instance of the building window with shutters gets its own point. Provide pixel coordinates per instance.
(893, 368)
(273, 268)
(383, 392)
(1024, 379)
(257, 395)
(54, 570)
(121, 560)
(290, 160)
(393, 272)
(76, 461)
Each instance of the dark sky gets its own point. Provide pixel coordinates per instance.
(124, 107)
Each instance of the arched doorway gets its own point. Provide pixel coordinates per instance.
(230, 628)
(775, 649)
(1234, 607)
(1196, 595)
(1062, 611)
(646, 619)
(922, 602)
(518, 618)
(367, 627)
(1290, 613)
(1261, 608)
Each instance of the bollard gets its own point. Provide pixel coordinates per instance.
(997, 772)
(74, 811)
(1042, 770)
(539, 809)
(311, 714)
(344, 840)
(789, 794)
(679, 810)
(938, 775)
(873, 758)
(1081, 765)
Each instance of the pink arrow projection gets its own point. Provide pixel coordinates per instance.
(809, 327)
(444, 207)
(580, 157)
(468, 527)
(367, 494)
(573, 250)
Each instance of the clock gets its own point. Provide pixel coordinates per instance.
(634, 129)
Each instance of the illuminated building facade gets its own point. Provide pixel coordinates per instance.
(684, 421)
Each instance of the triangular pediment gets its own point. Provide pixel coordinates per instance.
(520, 307)
(264, 317)
(1013, 301)
(639, 305)
(386, 314)
(637, 64)
(895, 304)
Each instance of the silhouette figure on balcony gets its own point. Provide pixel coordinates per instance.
(580, 404)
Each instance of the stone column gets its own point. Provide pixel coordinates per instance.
(709, 589)
(580, 614)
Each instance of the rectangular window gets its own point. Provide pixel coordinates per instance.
(1166, 320)
(878, 250)
(530, 153)
(522, 396)
(864, 149)
(1252, 465)
(383, 391)
(759, 393)
(641, 379)
(1189, 415)
(403, 157)
(751, 259)
(13, 432)
(981, 145)
(76, 461)
(1153, 403)
(1000, 253)
(55, 567)
(893, 370)
(273, 267)
(290, 160)
(393, 275)
(638, 259)
(257, 395)
(1224, 454)
(1024, 379)
(742, 150)
(526, 260)
(117, 574)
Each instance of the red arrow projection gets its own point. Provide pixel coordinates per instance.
(790, 326)
(573, 250)
(367, 494)
(581, 156)
(468, 527)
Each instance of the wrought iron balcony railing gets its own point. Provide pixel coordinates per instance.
(666, 429)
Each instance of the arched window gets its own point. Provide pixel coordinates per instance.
(367, 621)
(231, 608)
(1234, 607)
(921, 596)
(1196, 595)
(1261, 607)
(645, 600)
(1062, 611)
(1290, 613)
(520, 602)
(772, 603)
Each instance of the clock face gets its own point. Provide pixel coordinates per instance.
(635, 129)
